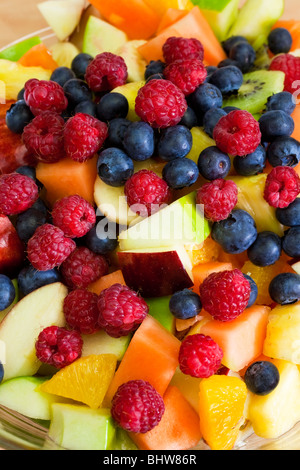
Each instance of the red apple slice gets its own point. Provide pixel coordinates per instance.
(157, 272)
(12, 249)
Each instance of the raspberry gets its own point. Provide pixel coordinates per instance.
(58, 346)
(17, 193)
(225, 295)
(160, 103)
(83, 267)
(83, 137)
(200, 356)
(121, 310)
(137, 406)
(74, 216)
(146, 192)
(187, 74)
(290, 65)
(43, 95)
(282, 187)
(177, 48)
(219, 198)
(81, 311)
(48, 247)
(237, 134)
(44, 137)
(106, 72)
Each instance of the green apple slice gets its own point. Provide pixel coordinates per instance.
(21, 326)
(220, 14)
(22, 395)
(15, 52)
(180, 223)
(76, 427)
(100, 36)
(159, 309)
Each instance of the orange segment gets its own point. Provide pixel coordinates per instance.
(107, 281)
(38, 56)
(179, 428)
(221, 406)
(85, 380)
(68, 177)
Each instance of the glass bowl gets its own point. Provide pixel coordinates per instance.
(18, 432)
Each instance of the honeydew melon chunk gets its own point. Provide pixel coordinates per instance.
(136, 64)
(101, 343)
(130, 91)
(63, 16)
(21, 326)
(76, 427)
(100, 36)
(22, 395)
(180, 223)
(16, 51)
(255, 20)
(220, 14)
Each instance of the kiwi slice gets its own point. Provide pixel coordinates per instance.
(258, 86)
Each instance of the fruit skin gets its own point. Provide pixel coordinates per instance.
(262, 377)
(29, 279)
(185, 304)
(284, 289)
(275, 414)
(18, 116)
(219, 198)
(15, 52)
(174, 142)
(112, 106)
(34, 312)
(228, 79)
(214, 164)
(181, 173)
(139, 141)
(77, 427)
(17, 193)
(106, 72)
(79, 64)
(275, 124)
(266, 249)
(282, 187)
(280, 41)
(74, 216)
(81, 312)
(199, 356)
(205, 97)
(76, 91)
(283, 101)
(12, 250)
(44, 95)
(290, 242)
(244, 55)
(7, 292)
(221, 16)
(251, 164)
(187, 74)
(284, 151)
(289, 216)
(181, 49)
(211, 119)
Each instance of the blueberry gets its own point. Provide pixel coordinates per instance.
(283, 101)
(291, 242)
(1, 372)
(27, 171)
(18, 116)
(61, 75)
(40, 206)
(229, 109)
(174, 142)
(254, 290)
(7, 292)
(235, 234)
(231, 42)
(266, 249)
(205, 97)
(80, 64)
(228, 63)
(185, 304)
(154, 67)
(29, 279)
(156, 76)
(86, 107)
(284, 151)
(262, 377)
(211, 119)
(139, 141)
(252, 164)
(289, 216)
(180, 173)
(213, 164)
(76, 91)
(20, 95)
(100, 242)
(27, 222)
(228, 79)
(280, 41)
(284, 289)
(244, 54)
(116, 131)
(210, 69)
(275, 124)
(114, 167)
(112, 106)
(189, 119)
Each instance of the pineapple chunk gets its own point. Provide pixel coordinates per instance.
(275, 414)
(251, 199)
(201, 141)
(283, 333)
(13, 77)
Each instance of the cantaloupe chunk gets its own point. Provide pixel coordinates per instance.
(107, 281)
(242, 339)
(68, 177)
(202, 271)
(179, 428)
(192, 25)
(170, 17)
(152, 355)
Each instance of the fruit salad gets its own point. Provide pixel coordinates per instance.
(149, 233)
